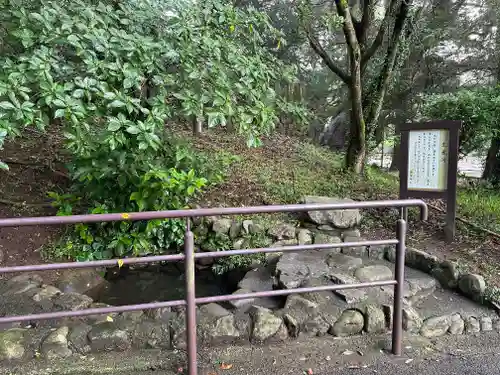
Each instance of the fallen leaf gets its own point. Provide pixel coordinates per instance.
(347, 352)
(120, 263)
(410, 360)
(309, 371)
(109, 319)
(125, 216)
(226, 366)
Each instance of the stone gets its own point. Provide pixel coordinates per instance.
(352, 233)
(23, 283)
(486, 324)
(217, 323)
(72, 301)
(257, 280)
(131, 316)
(178, 329)
(222, 226)
(256, 228)
(161, 313)
(304, 237)
(436, 326)
(330, 230)
(292, 324)
(351, 322)
(240, 243)
(348, 295)
(151, 335)
(376, 252)
(359, 251)
(342, 219)
(457, 325)
(472, 325)
(373, 273)
(322, 238)
(246, 226)
(235, 229)
(282, 231)
(344, 262)
(55, 344)
(265, 324)
(446, 274)
(12, 344)
(239, 303)
(297, 303)
(472, 286)
(374, 319)
(293, 269)
(420, 260)
(417, 290)
(47, 292)
(411, 320)
(81, 281)
(496, 325)
(78, 338)
(321, 298)
(99, 318)
(106, 337)
(316, 326)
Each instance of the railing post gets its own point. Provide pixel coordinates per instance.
(190, 300)
(397, 319)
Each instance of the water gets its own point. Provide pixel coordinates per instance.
(159, 284)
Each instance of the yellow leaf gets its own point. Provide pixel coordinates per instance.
(231, 28)
(109, 319)
(125, 216)
(279, 44)
(37, 354)
(250, 27)
(226, 366)
(120, 263)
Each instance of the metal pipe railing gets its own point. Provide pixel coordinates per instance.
(190, 256)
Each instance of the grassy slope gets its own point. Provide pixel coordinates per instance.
(285, 169)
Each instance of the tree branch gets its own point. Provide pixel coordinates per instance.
(368, 54)
(318, 48)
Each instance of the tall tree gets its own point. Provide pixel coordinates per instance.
(365, 38)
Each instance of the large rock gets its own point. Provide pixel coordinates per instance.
(293, 269)
(106, 337)
(436, 326)
(373, 273)
(472, 325)
(45, 293)
(151, 335)
(342, 219)
(304, 237)
(343, 262)
(374, 319)
(415, 258)
(12, 344)
(257, 280)
(316, 326)
(486, 324)
(348, 295)
(55, 344)
(82, 281)
(265, 324)
(78, 338)
(472, 286)
(298, 310)
(322, 238)
(23, 283)
(217, 324)
(419, 289)
(72, 301)
(351, 322)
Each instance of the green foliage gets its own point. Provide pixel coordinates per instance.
(113, 76)
(477, 109)
(217, 242)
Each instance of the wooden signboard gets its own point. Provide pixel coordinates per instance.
(428, 165)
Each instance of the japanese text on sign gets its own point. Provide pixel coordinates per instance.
(428, 160)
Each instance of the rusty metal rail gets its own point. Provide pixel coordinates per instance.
(189, 257)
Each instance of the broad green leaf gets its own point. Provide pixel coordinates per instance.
(133, 130)
(3, 166)
(7, 105)
(116, 104)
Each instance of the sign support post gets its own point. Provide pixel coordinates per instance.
(428, 165)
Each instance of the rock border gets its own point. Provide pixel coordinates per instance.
(251, 320)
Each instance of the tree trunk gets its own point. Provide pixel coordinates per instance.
(197, 125)
(492, 166)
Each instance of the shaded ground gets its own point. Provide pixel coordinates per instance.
(328, 356)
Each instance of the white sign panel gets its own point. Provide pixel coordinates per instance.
(428, 160)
